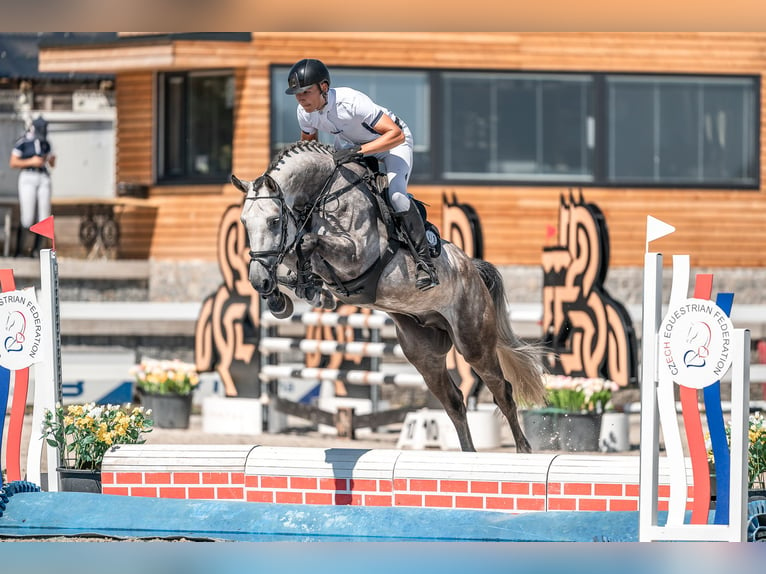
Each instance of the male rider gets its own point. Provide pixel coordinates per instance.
(362, 127)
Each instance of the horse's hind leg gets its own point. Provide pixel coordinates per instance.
(426, 348)
(490, 372)
(477, 345)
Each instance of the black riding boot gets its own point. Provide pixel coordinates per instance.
(23, 242)
(412, 224)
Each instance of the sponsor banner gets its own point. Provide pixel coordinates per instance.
(20, 329)
(695, 343)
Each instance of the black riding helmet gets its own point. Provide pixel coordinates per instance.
(40, 126)
(305, 74)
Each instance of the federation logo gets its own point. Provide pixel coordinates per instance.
(695, 343)
(20, 329)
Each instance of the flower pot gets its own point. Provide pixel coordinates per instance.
(168, 411)
(541, 426)
(77, 480)
(615, 432)
(579, 432)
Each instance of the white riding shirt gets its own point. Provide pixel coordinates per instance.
(351, 116)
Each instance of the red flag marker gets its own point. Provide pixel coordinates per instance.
(550, 231)
(45, 228)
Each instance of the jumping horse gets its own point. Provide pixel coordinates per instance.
(326, 225)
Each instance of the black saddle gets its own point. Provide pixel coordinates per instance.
(379, 181)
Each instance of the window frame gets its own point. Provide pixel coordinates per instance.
(603, 179)
(162, 80)
(598, 131)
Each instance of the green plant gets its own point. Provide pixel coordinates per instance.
(168, 377)
(756, 452)
(83, 433)
(579, 394)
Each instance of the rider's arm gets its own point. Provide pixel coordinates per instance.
(391, 136)
(34, 161)
(308, 137)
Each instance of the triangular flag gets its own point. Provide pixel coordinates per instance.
(656, 228)
(550, 231)
(45, 228)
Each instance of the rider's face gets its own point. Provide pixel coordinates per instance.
(311, 100)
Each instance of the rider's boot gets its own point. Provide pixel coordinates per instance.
(412, 224)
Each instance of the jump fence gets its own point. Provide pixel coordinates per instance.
(513, 483)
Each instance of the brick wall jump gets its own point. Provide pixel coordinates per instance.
(505, 482)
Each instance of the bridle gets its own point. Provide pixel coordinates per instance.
(282, 248)
(270, 259)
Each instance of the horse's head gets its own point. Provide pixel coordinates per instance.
(270, 230)
(277, 206)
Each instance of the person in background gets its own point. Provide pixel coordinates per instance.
(32, 154)
(362, 127)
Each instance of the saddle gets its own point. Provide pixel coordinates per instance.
(379, 182)
(362, 289)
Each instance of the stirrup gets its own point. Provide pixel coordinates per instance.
(425, 277)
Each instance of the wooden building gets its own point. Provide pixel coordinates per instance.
(662, 124)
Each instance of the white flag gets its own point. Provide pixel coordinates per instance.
(656, 228)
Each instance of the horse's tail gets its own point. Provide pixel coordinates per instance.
(521, 362)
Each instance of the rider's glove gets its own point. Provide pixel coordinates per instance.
(347, 154)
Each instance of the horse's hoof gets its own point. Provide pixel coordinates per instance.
(329, 302)
(280, 306)
(524, 447)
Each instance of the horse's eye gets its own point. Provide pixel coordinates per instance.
(273, 221)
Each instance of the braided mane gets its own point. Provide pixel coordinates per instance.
(299, 147)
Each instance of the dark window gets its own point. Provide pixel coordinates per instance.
(196, 126)
(562, 128)
(405, 93)
(681, 131)
(517, 126)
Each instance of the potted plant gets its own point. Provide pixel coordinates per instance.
(166, 387)
(83, 434)
(756, 454)
(571, 418)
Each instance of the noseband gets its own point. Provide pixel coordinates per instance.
(282, 248)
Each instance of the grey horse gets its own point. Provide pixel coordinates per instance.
(325, 223)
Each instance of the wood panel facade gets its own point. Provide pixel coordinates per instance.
(719, 227)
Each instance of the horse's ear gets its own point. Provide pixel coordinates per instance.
(238, 183)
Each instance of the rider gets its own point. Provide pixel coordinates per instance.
(362, 127)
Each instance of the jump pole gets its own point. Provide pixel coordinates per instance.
(665, 347)
(48, 380)
(47, 373)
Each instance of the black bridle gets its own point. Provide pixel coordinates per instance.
(282, 248)
(299, 218)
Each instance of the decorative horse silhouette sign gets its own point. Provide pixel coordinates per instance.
(227, 331)
(590, 333)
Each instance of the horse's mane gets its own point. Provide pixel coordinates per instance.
(298, 147)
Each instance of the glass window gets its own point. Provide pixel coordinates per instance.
(196, 126)
(405, 93)
(681, 130)
(561, 128)
(518, 127)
